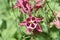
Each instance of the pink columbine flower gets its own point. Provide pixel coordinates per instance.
(39, 4)
(23, 5)
(56, 21)
(31, 23)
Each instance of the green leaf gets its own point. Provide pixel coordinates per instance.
(40, 12)
(0, 22)
(10, 31)
(54, 5)
(39, 37)
(1, 38)
(23, 29)
(44, 27)
(54, 35)
(11, 39)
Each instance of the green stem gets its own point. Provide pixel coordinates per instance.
(49, 7)
(14, 14)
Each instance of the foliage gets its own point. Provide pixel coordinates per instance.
(10, 19)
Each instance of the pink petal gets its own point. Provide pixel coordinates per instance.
(28, 31)
(29, 8)
(58, 27)
(57, 23)
(35, 22)
(21, 4)
(28, 19)
(38, 19)
(28, 24)
(39, 4)
(32, 26)
(23, 23)
(16, 5)
(26, 0)
(38, 28)
(33, 18)
(37, 7)
(29, 27)
(20, 1)
(22, 11)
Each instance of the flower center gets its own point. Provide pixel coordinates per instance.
(31, 22)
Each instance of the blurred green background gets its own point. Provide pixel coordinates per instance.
(10, 19)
